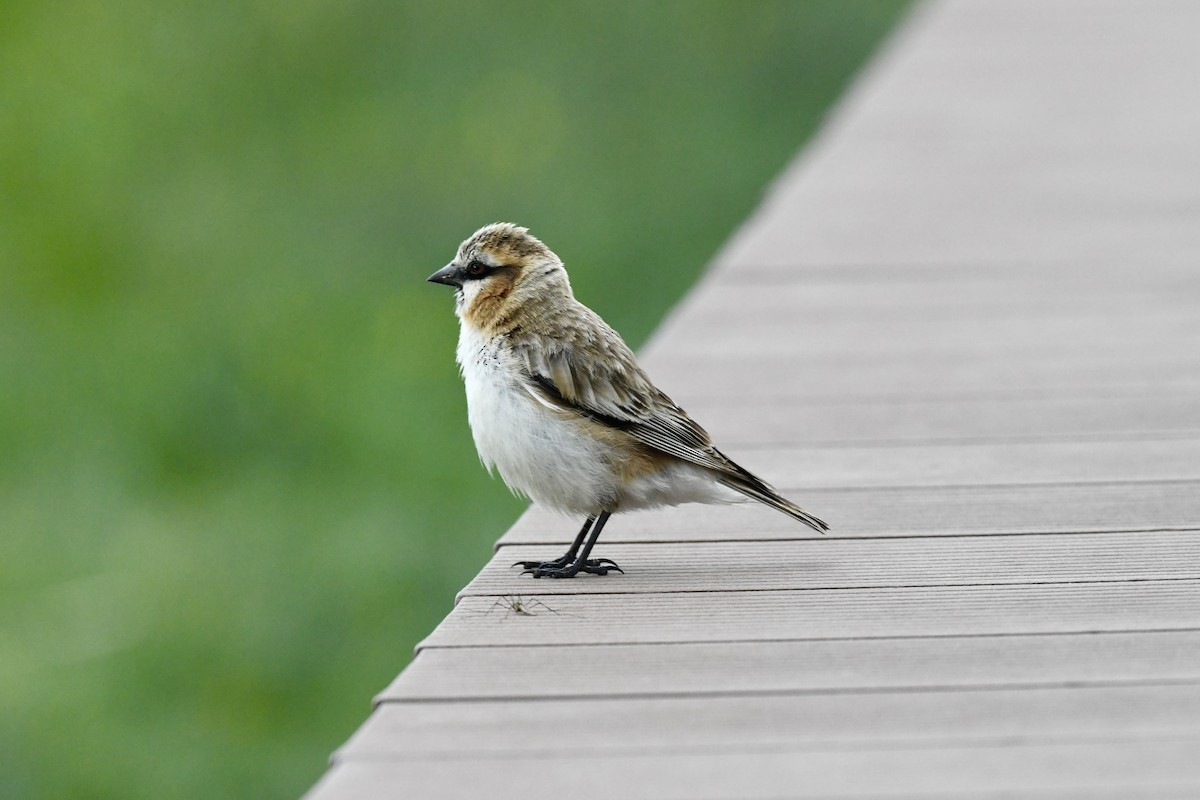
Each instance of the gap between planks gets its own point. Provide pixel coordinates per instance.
(584, 696)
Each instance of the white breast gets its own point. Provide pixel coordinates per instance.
(540, 452)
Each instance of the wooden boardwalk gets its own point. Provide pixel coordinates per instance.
(964, 328)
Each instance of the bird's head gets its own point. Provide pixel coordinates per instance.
(500, 269)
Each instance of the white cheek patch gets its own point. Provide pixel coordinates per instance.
(466, 295)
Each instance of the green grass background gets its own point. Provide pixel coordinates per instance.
(236, 480)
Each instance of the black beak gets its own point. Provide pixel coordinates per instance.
(449, 275)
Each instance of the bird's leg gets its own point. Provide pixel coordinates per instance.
(565, 558)
(573, 565)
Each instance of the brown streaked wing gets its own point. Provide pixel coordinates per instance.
(613, 390)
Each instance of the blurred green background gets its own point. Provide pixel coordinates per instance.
(236, 480)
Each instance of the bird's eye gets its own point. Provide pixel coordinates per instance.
(477, 269)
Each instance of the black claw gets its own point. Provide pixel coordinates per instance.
(551, 572)
(551, 569)
(528, 565)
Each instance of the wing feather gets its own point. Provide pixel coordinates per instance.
(610, 387)
(586, 369)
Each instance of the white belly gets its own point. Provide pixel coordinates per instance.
(541, 453)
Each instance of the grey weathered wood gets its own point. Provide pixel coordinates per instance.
(752, 723)
(971, 464)
(952, 293)
(918, 338)
(920, 511)
(983, 77)
(822, 614)
(1104, 304)
(798, 667)
(1152, 768)
(826, 563)
(1029, 132)
(750, 420)
(865, 375)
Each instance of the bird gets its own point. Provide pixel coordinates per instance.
(559, 405)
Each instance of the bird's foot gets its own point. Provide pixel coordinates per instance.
(557, 563)
(561, 569)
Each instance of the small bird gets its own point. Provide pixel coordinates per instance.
(558, 403)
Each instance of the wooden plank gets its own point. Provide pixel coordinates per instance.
(826, 563)
(755, 723)
(919, 511)
(1095, 770)
(919, 338)
(750, 419)
(853, 375)
(828, 614)
(814, 667)
(968, 464)
(966, 289)
(943, 287)
(973, 295)
(971, 226)
(969, 288)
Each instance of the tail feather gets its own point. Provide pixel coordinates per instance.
(756, 489)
